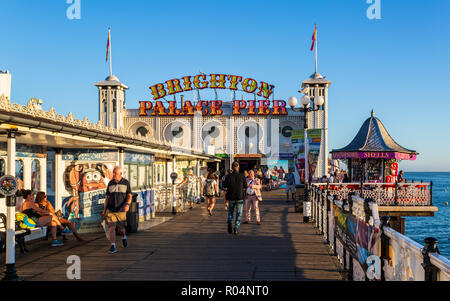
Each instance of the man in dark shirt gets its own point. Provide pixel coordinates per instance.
(235, 185)
(117, 204)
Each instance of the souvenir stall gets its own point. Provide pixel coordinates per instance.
(373, 156)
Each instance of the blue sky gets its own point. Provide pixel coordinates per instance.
(398, 65)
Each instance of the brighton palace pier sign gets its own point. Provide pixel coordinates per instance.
(213, 107)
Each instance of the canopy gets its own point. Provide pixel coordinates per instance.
(374, 142)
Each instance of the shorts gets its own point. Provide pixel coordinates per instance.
(290, 188)
(115, 218)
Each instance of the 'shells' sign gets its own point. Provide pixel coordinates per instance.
(213, 81)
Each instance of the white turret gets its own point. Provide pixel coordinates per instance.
(5, 84)
(111, 102)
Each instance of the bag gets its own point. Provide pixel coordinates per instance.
(210, 191)
(103, 223)
(25, 222)
(250, 190)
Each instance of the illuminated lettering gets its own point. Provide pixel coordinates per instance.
(158, 91)
(173, 109)
(200, 106)
(263, 107)
(197, 81)
(187, 109)
(279, 107)
(234, 80)
(216, 107)
(159, 108)
(249, 85)
(265, 90)
(251, 107)
(173, 86)
(221, 81)
(237, 106)
(187, 83)
(144, 106)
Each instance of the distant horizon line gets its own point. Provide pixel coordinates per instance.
(429, 171)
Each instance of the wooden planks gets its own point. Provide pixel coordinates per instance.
(195, 246)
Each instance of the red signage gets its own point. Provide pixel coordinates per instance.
(212, 81)
(213, 108)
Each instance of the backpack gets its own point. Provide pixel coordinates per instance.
(210, 191)
(24, 221)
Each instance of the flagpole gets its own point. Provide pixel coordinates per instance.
(110, 54)
(316, 48)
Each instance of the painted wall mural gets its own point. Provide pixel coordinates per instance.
(86, 183)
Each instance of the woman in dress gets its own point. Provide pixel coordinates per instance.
(190, 180)
(253, 197)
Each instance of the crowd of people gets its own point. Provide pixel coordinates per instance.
(336, 177)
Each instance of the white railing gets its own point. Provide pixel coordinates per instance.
(385, 194)
(391, 256)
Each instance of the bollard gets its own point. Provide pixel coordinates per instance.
(10, 271)
(384, 252)
(431, 272)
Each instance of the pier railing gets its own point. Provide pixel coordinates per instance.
(385, 194)
(365, 245)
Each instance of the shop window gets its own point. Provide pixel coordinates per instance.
(35, 175)
(19, 169)
(2, 167)
(50, 173)
(142, 177)
(374, 170)
(133, 175)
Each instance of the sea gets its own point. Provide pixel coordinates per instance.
(437, 226)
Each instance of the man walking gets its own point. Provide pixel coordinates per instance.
(117, 204)
(235, 184)
(290, 185)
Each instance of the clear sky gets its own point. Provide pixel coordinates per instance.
(398, 65)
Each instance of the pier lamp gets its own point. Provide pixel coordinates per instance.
(305, 108)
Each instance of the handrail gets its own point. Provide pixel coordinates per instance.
(401, 258)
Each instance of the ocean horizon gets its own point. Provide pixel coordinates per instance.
(437, 226)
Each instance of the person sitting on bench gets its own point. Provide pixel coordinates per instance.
(40, 217)
(43, 203)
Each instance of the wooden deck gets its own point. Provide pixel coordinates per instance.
(195, 246)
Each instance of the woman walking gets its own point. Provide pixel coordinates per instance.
(190, 181)
(253, 197)
(209, 191)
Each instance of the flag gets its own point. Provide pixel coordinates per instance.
(108, 44)
(314, 38)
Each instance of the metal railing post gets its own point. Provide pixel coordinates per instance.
(385, 242)
(334, 230)
(328, 219)
(431, 271)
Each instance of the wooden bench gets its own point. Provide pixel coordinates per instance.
(21, 235)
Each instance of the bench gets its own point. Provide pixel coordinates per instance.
(21, 235)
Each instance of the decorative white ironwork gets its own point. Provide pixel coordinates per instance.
(34, 109)
(385, 194)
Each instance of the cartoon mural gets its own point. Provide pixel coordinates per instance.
(86, 182)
